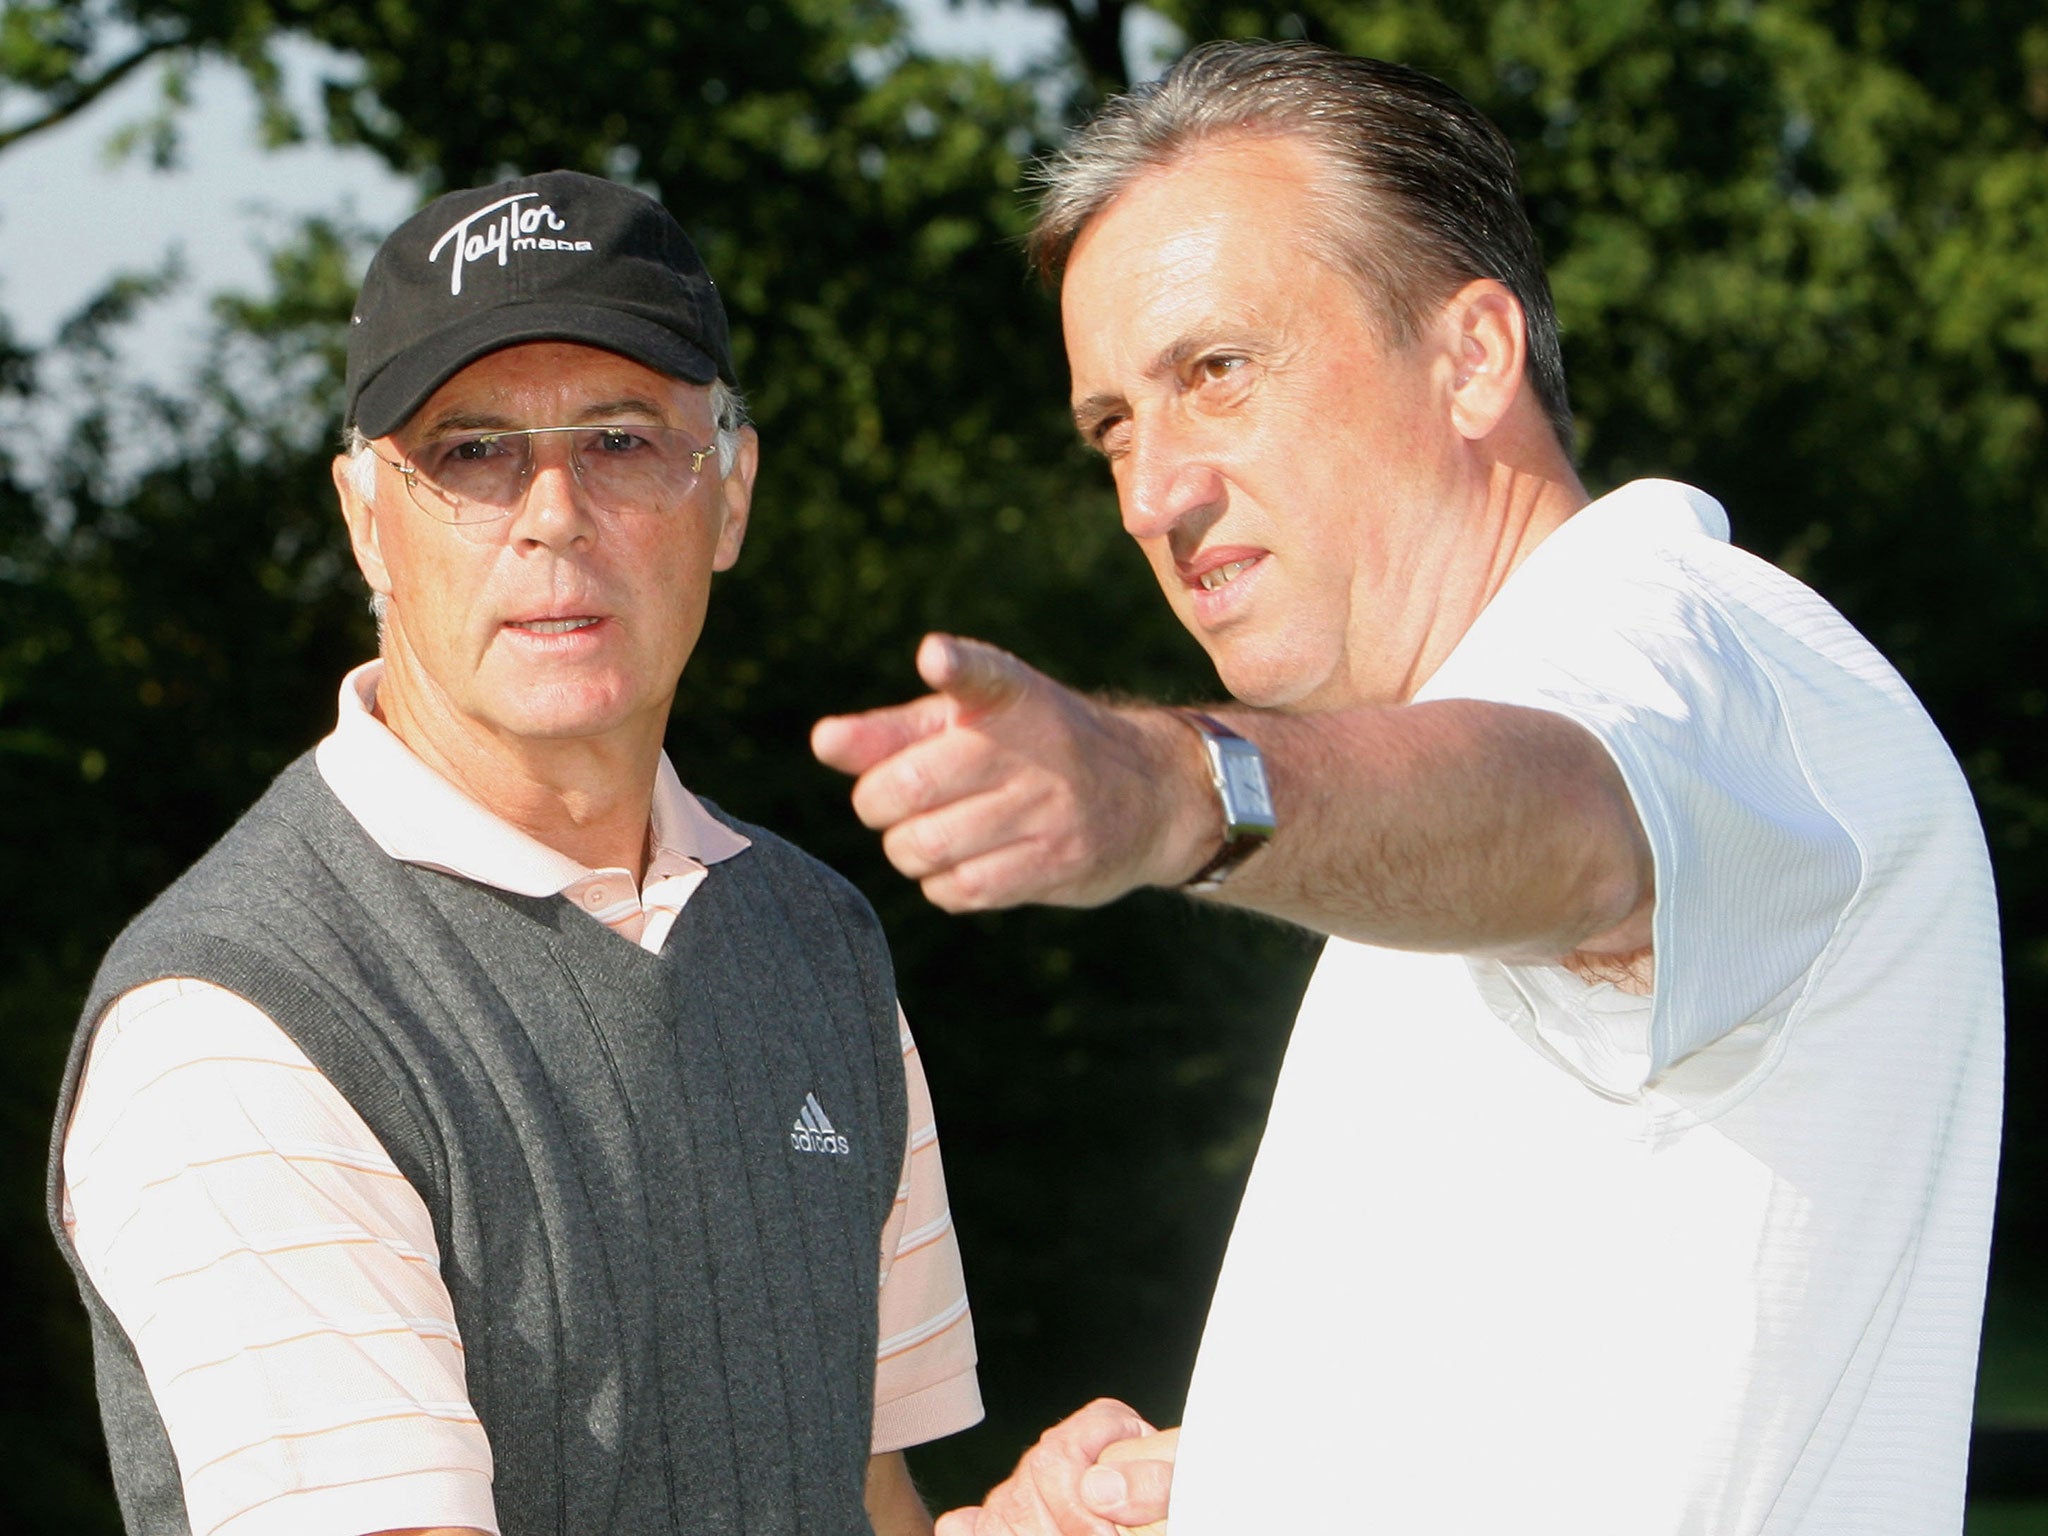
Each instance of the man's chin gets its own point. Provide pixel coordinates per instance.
(569, 712)
(1263, 682)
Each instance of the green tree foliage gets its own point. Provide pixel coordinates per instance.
(1798, 251)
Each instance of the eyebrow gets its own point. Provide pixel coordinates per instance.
(597, 413)
(625, 405)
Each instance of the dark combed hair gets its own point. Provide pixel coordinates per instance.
(1422, 195)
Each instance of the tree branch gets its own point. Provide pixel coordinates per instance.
(85, 93)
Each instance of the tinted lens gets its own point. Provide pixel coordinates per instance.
(634, 469)
(473, 476)
(477, 476)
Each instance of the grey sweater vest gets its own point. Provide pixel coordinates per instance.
(666, 1299)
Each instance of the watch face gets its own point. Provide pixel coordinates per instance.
(1249, 802)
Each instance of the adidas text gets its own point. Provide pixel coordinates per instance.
(817, 1141)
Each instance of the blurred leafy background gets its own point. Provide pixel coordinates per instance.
(1800, 249)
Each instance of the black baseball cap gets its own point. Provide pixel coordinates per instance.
(556, 257)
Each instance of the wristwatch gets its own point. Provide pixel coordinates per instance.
(1239, 774)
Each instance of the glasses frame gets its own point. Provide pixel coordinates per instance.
(413, 486)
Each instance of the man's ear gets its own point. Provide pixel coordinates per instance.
(361, 517)
(736, 500)
(1490, 351)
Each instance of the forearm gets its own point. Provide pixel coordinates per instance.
(1456, 826)
(895, 1508)
(1453, 826)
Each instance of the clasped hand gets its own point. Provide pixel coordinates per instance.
(1101, 1472)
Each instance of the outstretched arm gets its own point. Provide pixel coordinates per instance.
(1456, 825)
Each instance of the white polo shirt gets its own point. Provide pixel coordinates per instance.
(1525, 1254)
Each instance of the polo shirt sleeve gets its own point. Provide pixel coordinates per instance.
(925, 1383)
(278, 1277)
(1753, 870)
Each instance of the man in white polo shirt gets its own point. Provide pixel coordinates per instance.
(488, 1135)
(1630, 1172)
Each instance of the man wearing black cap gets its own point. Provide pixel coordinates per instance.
(487, 1134)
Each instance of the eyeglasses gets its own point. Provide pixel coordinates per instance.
(479, 477)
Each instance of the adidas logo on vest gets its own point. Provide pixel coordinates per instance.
(812, 1131)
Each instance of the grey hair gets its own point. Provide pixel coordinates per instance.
(728, 417)
(1423, 194)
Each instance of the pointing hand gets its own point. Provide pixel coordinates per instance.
(1002, 787)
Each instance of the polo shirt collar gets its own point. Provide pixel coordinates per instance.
(417, 816)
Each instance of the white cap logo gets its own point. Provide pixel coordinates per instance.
(515, 229)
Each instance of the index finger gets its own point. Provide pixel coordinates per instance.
(1090, 1430)
(855, 743)
(1160, 1445)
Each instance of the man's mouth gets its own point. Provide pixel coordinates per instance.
(1223, 575)
(552, 626)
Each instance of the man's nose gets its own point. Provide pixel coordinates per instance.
(1165, 479)
(556, 510)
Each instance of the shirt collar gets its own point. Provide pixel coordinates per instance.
(417, 816)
